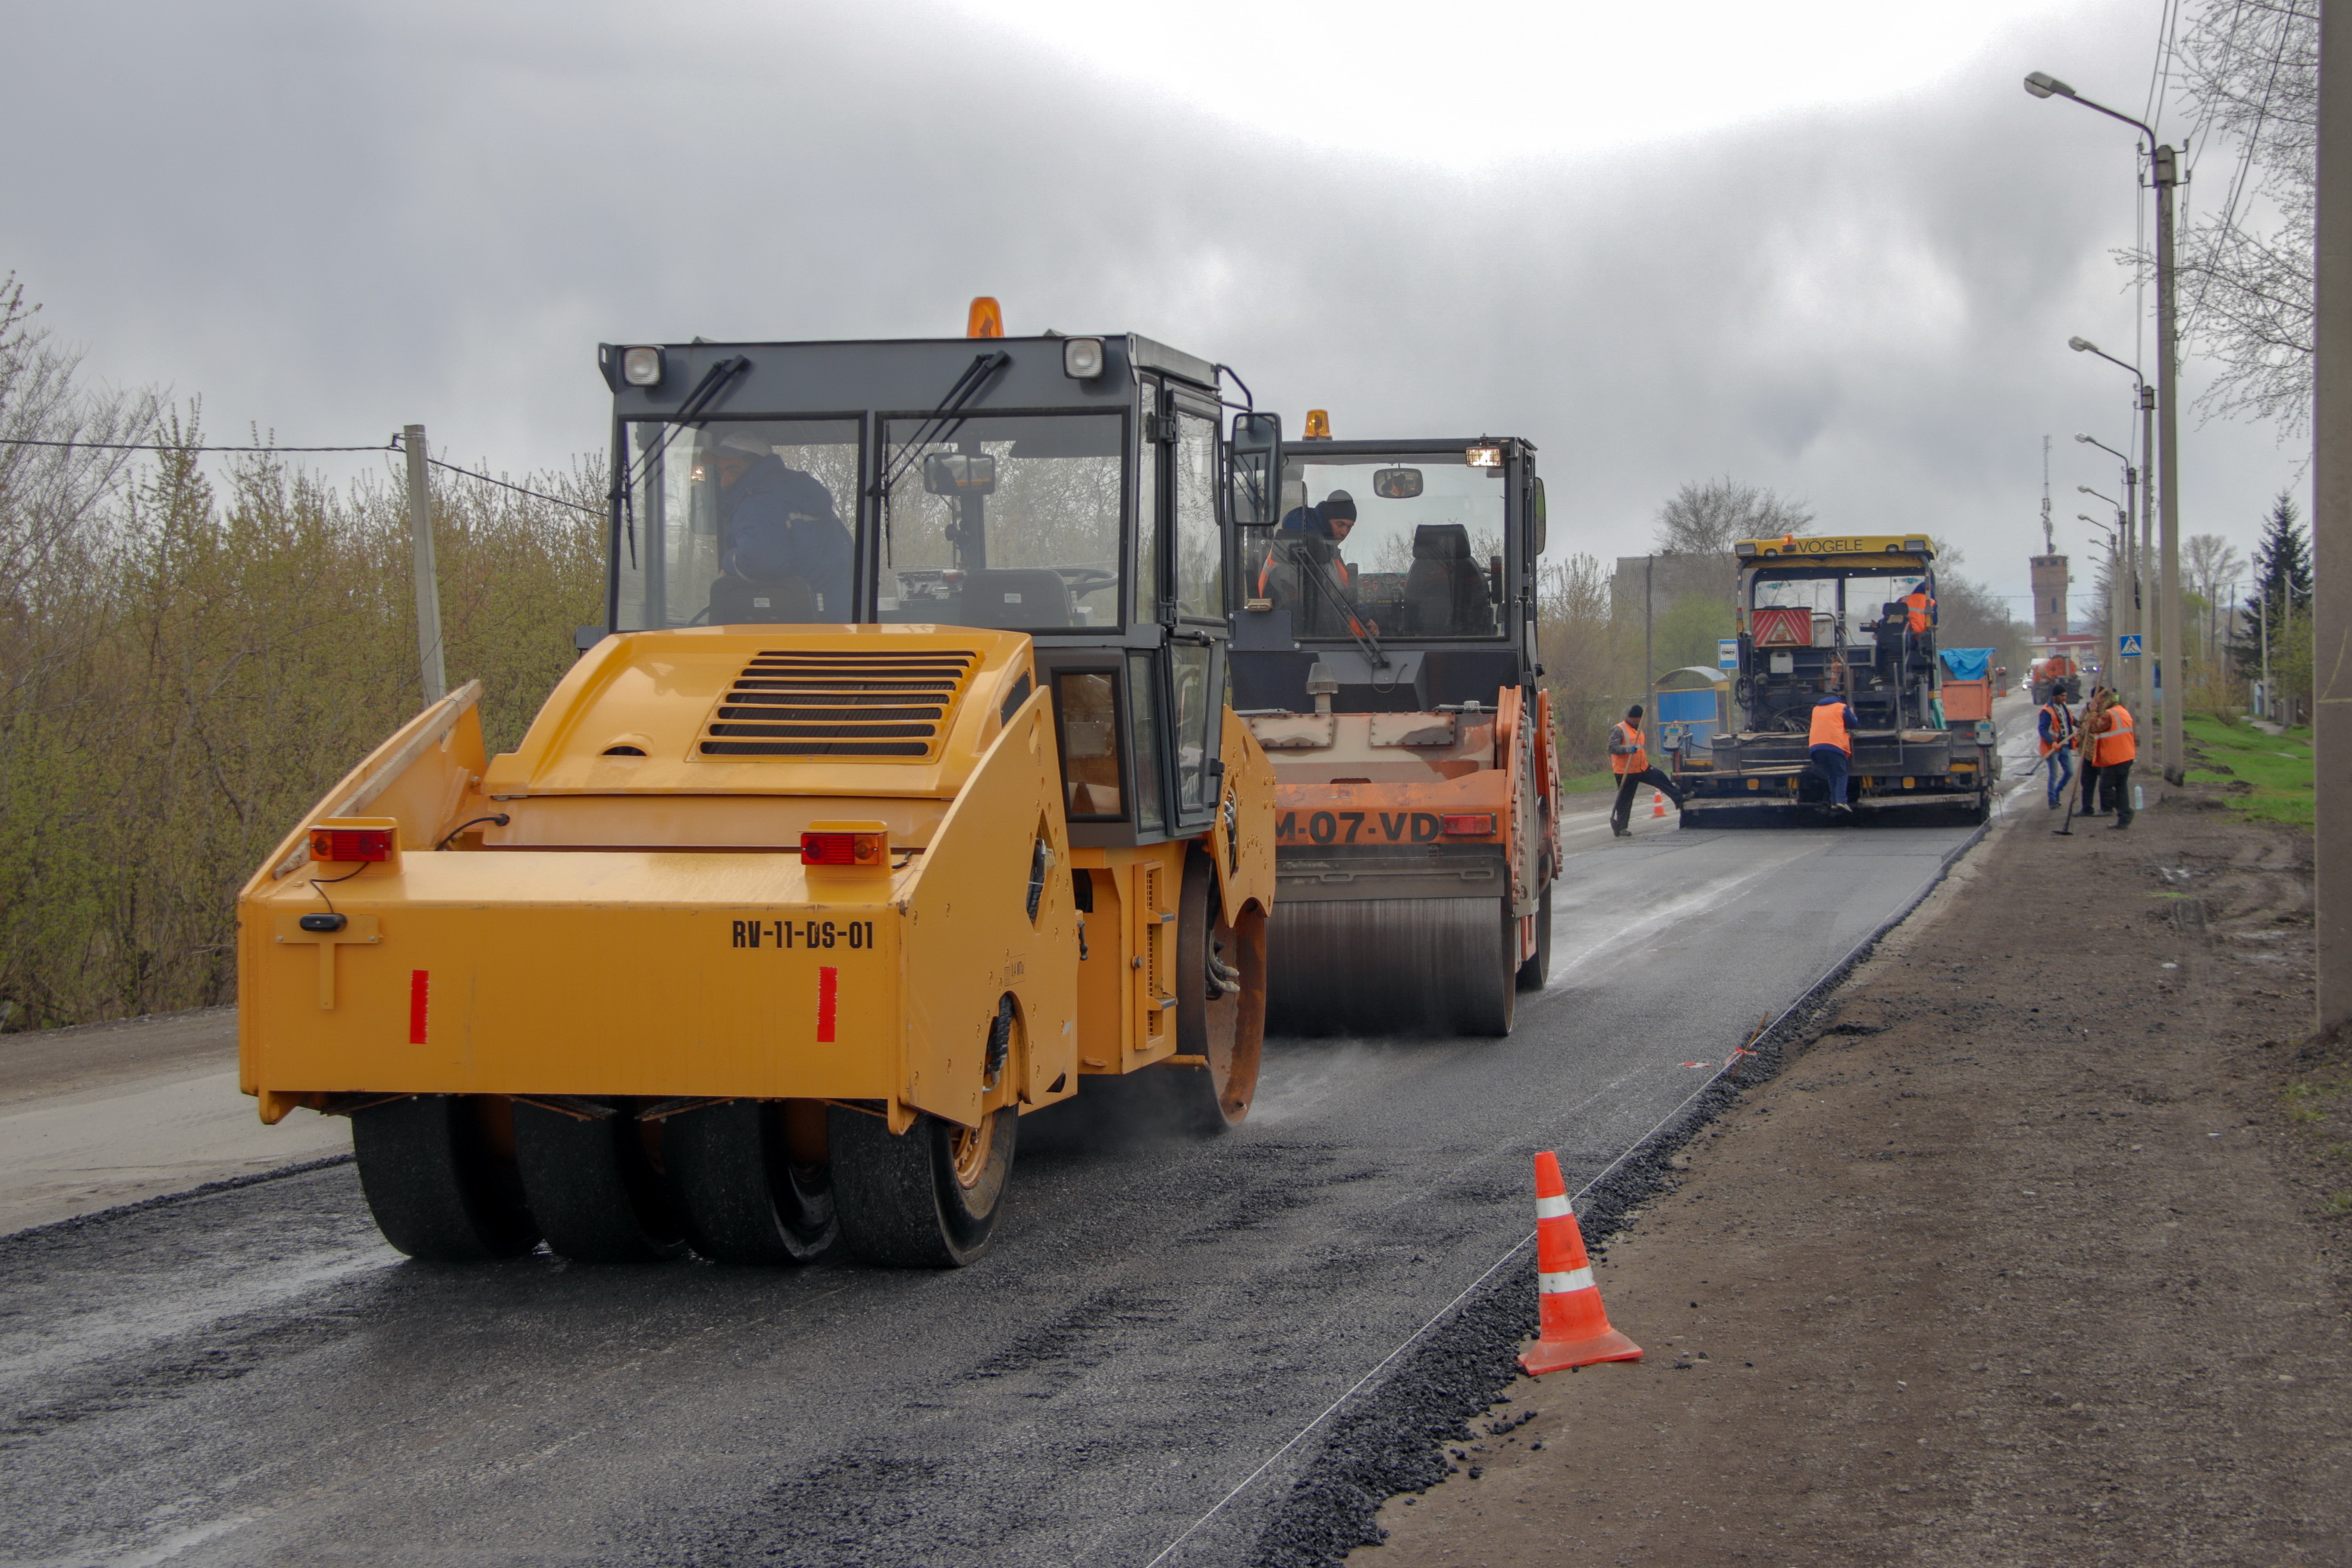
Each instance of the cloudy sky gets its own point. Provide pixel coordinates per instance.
(1831, 247)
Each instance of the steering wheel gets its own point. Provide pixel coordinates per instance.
(1083, 579)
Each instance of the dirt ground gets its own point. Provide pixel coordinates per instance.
(2033, 1254)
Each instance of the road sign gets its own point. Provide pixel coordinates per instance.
(1727, 653)
(2129, 642)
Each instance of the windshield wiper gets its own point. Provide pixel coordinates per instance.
(1319, 573)
(706, 391)
(941, 423)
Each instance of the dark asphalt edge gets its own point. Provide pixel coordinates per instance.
(1393, 1440)
(16, 1238)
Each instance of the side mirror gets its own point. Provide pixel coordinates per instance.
(1396, 484)
(1535, 529)
(1257, 445)
(960, 473)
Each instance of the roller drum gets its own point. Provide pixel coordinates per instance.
(1388, 966)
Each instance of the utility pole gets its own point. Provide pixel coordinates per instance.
(428, 582)
(2331, 528)
(2167, 399)
(1649, 607)
(2146, 512)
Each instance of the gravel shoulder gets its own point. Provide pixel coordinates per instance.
(2034, 1251)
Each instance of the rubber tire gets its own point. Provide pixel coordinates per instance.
(1538, 968)
(595, 1187)
(1231, 1031)
(897, 1197)
(439, 1186)
(1491, 1005)
(738, 1196)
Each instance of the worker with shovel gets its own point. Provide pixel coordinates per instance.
(2055, 723)
(1629, 756)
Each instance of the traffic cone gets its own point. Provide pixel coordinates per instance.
(1657, 803)
(1576, 1330)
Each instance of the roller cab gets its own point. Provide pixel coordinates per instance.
(894, 800)
(1384, 657)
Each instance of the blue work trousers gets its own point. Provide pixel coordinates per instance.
(1832, 761)
(2062, 773)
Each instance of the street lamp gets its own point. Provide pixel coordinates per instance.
(2164, 173)
(2136, 614)
(2142, 588)
(2118, 574)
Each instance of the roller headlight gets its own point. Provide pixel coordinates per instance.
(1082, 358)
(641, 367)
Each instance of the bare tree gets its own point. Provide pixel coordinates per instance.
(2250, 69)
(2212, 564)
(1708, 519)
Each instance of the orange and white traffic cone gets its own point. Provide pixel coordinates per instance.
(1576, 1330)
(1657, 803)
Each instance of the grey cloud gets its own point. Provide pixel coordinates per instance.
(333, 221)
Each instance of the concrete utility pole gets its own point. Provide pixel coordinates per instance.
(428, 582)
(2164, 173)
(2146, 496)
(2331, 526)
(2168, 412)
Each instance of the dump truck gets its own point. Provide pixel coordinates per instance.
(1845, 616)
(1386, 662)
(894, 800)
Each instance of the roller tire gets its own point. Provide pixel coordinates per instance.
(739, 1196)
(901, 1202)
(439, 1182)
(1489, 1002)
(594, 1188)
(1538, 968)
(1230, 1031)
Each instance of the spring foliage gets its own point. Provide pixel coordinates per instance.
(191, 660)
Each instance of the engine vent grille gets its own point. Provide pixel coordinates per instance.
(847, 704)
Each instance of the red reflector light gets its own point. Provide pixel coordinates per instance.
(350, 843)
(857, 851)
(1470, 822)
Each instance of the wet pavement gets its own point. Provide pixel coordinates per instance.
(250, 1377)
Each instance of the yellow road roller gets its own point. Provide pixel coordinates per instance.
(896, 798)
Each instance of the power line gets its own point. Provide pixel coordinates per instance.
(535, 495)
(391, 446)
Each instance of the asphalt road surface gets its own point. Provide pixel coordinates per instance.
(251, 1377)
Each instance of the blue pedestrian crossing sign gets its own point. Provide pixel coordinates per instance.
(2128, 645)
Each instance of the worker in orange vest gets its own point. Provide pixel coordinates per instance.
(1831, 740)
(2055, 724)
(1629, 758)
(2112, 748)
(1921, 605)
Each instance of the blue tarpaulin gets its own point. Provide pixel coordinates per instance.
(1969, 663)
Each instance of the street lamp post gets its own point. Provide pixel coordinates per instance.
(2151, 648)
(2137, 557)
(2164, 173)
(2127, 617)
(2115, 578)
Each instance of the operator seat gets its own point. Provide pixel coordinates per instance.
(739, 600)
(1445, 591)
(1017, 601)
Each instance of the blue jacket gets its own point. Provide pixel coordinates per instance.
(776, 523)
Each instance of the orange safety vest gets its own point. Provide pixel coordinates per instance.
(2061, 724)
(1920, 605)
(1829, 728)
(1637, 761)
(2113, 741)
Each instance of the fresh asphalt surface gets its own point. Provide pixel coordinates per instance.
(251, 1377)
